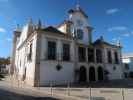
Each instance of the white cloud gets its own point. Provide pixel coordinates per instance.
(116, 39)
(112, 11)
(126, 35)
(117, 28)
(2, 30)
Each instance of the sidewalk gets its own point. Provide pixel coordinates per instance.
(71, 93)
(61, 93)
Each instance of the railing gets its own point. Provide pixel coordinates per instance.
(82, 92)
(58, 57)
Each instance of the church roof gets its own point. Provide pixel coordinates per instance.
(78, 10)
(52, 29)
(101, 42)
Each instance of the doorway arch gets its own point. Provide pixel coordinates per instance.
(82, 74)
(100, 73)
(92, 76)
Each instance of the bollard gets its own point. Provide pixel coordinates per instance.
(123, 97)
(21, 84)
(51, 88)
(68, 89)
(38, 85)
(18, 83)
(90, 93)
(11, 81)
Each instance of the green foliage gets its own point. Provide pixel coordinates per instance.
(5, 61)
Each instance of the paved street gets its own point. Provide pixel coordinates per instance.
(8, 95)
(11, 93)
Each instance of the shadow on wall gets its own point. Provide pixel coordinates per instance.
(6, 95)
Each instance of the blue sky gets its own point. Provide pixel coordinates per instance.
(111, 18)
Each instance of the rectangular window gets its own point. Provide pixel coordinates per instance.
(82, 54)
(99, 56)
(51, 50)
(80, 34)
(127, 66)
(91, 55)
(109, 56)
(116, 58)
(30, 53)
(68, 29)
(66, 52)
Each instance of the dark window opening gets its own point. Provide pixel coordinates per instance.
(116, 58)
(126, 75)
(99, 56)
(30, 53)
(92, 76)
(51, 50)
(82, 54)
(79, 34)
(109, 57)
(90, 55)
(82, 74)
(100, 73)
(127, 66)
(66, 52)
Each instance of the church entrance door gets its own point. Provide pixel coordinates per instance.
(82, 74)
(92, 74)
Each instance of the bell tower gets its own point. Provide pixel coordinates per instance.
(81, 29)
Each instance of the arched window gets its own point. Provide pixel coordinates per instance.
(82, 74)
(92, 76)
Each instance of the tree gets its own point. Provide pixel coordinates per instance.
(5, 61)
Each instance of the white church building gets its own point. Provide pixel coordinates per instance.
(63, 53)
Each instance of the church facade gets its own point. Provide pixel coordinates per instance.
(65, 53)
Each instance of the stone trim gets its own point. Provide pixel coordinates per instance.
(37, 61)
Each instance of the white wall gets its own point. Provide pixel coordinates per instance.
(114, 74)
(48, 72)
(22, 62)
